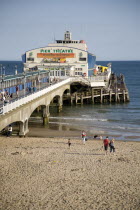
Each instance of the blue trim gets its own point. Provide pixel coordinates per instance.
(91, 61)
(24, 58)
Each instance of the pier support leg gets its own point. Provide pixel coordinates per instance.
(92, 95)
(81, 99)
(101, 95)
(59, 108)
(76, 98)
(38, 109)
(116, 90)
(60, 105)
(110, 96)
(46, 115)
(124, 98)
(116, 96)
(127, 97)
(71, 100)
(23, 128)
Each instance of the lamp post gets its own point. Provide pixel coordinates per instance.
(49, 77)
(39, 78)
(2, 84)
(59, 72)
(1, 69)
(3, 76)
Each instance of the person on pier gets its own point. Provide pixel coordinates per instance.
(17, 91)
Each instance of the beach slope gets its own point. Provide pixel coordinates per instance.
(44, 174)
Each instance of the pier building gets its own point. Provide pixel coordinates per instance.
(65, 57)
(54, 76)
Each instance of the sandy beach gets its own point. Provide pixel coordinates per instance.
(44, 174)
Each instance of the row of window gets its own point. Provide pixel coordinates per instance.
(78, 69)
(64, 42)
(78, 73)
(58, 73)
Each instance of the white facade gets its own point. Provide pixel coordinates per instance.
(69, 57)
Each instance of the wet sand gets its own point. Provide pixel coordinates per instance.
(47, 132)
(62, 132)
(44, 174)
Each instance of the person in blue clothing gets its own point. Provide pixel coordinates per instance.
(30, 90)
(111, 145)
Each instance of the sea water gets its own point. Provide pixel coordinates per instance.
(120, 120)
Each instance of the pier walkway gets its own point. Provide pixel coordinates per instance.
(71, 90)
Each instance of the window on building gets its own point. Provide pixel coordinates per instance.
(82, 59)
(78, 73)
(51, 73)
(67, 73)
(62, 73)
(30, 59)
(78, 69)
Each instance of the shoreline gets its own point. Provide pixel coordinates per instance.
(46, 132)
(42, 132)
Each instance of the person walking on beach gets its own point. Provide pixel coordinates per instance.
(106, 144)
(111, 145)
(17, 91)
(101, 137)
(9, 132)
(69, 143)
(84, 136)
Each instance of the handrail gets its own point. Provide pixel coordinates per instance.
(21, 101)
(31, 97)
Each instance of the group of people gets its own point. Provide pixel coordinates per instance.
(106, 142)
(7, 132)
(4, 96)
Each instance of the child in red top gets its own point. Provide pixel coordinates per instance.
(106, 144)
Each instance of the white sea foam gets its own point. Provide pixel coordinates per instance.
(78, 119)
(60, 123)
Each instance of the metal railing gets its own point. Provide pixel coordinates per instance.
(27, 98)
(101, 78)
(21, 101)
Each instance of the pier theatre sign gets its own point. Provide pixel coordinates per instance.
(58, 53)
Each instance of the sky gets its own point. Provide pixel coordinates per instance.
(111, 28)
